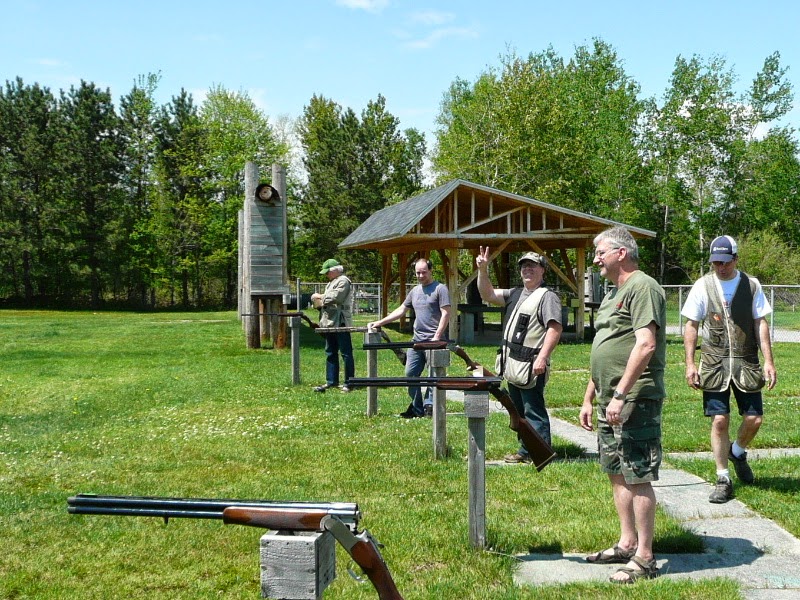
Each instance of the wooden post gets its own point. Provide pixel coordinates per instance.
(438, 361)
(466, 329)
(263, 320)
(239, 267)
(294, 328)
(372, 337)
(251, 324)
(277, 326)
(476, 408)
(580, 314)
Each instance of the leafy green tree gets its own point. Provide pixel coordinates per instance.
(768, 198)
(766, 255)
(698, 145)
(562, 131)
(355, 166)
(236, 132)
(138, 112)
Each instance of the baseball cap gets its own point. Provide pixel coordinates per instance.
(533, 256)
(328, 265)
(723, 249)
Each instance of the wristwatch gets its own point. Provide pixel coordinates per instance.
(619, 395)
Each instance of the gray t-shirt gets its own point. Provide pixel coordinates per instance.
(427, 302)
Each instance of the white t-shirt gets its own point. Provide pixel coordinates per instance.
(696, 306)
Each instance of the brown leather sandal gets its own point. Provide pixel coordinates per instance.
(618, 555)
(647, 570)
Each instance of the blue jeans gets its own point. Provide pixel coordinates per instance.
(415, 364)
(334, 344)
(530, 405)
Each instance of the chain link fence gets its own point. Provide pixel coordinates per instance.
(784, 299)
(367, 296)
(784, 321)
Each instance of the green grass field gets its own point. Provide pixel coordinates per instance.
(174, 404)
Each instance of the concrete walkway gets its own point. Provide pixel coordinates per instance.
(740, 544)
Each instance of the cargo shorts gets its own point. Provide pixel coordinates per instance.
(632, 449)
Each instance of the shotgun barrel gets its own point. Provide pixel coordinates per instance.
(199, 508)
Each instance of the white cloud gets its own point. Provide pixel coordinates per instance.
(437, 35)
(432, 17)
(373, 6)
(50, 62)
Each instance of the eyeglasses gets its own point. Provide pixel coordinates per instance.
(602, 253)
(529, 265)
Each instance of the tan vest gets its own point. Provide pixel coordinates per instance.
(729, 352)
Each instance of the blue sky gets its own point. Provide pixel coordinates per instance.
(410, 51)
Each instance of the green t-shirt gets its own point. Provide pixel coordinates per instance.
(634, 305)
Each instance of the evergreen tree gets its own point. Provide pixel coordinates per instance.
(31, 232)
(92, 157)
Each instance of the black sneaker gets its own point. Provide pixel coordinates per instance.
(723, 491)
(428, 410)
(743, 470)
(409, 413)
(320, 389)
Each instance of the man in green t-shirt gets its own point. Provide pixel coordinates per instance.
(627, 380)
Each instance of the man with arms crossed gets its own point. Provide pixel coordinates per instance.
(627, 379)
(734, 308)
(431, 303)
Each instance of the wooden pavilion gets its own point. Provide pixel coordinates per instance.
(461, 215)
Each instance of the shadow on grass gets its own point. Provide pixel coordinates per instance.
(790, 485)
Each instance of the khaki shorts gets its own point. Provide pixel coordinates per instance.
(632, 450)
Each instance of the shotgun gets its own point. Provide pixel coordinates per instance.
(541, 452)
(442, 383)
(338, 518)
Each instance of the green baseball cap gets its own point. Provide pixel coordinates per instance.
(328, 265)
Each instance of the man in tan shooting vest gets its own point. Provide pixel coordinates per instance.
(733, 307)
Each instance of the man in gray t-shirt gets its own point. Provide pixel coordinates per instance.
(431, 303)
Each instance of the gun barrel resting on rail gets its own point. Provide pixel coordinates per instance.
(442, 383)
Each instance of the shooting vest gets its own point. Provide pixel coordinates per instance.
(523, 336)
(729, 352)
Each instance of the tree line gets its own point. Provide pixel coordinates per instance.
(137, 206)
(700, 162)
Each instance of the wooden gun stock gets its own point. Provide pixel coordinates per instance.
(541, 452)
(363, 549)
(275, 518)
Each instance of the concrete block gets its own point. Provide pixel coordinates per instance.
(297, 566)
(476, 404)
(438, 359)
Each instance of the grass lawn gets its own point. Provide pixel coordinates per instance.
(173, 404)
